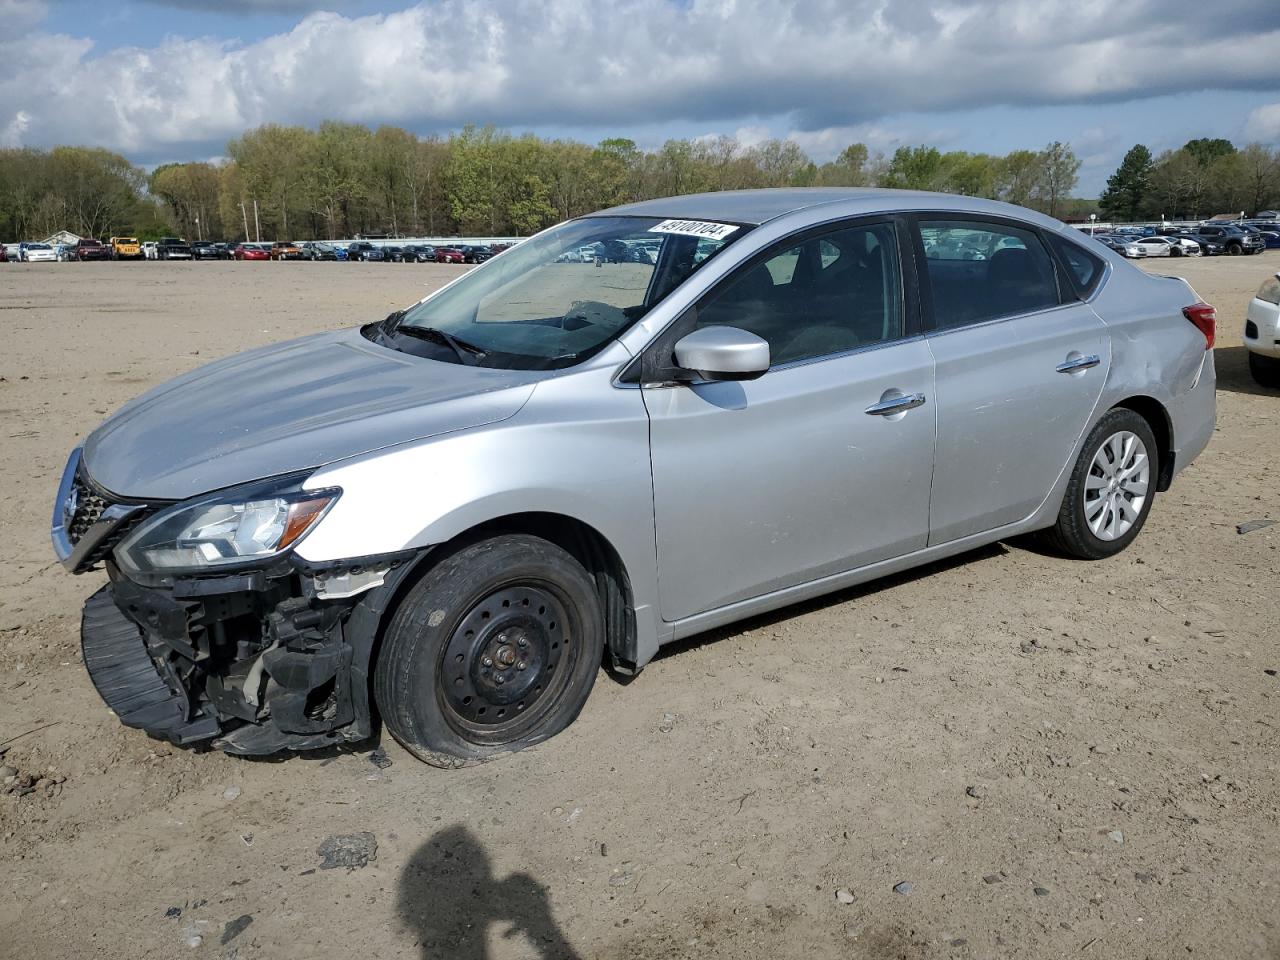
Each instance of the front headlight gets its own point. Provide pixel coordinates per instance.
(254, 522)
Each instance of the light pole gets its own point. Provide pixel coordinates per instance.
(1093, 223)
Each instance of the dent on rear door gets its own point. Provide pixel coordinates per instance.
(1008, 419)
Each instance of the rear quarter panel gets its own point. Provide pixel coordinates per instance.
(1157, 352)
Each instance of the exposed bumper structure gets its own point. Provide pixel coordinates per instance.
(238, 661)
(256, 661)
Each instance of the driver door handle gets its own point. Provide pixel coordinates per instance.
(1079, 363)
(885, 408)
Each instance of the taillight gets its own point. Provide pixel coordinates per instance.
(1205, 317)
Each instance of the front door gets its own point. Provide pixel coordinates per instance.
(821, 465)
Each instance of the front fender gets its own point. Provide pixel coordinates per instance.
(579, 448)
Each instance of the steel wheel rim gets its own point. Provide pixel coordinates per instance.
(1116, 486)
(507, 661)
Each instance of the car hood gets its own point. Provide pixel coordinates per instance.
(289, 407)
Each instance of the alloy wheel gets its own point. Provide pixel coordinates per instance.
(1115, 490)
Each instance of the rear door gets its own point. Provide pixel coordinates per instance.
(1020, 365)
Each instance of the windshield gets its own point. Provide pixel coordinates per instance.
(556, 299)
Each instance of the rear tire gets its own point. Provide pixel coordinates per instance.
(1111, 489)
(1265, 370)
(495, 649)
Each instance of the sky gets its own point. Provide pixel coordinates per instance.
(162, 80)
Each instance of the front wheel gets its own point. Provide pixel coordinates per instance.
(1111, 488)
(1264, 370)
(495, 649)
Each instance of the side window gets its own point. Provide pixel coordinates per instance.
(982, 271)
(828, 294)
(1086, 269)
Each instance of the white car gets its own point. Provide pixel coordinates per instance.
(1167, 247)
(151, 250)
(35, 252)
(1262, 333)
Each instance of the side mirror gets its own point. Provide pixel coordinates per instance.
(723, 353)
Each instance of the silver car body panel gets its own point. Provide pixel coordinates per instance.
(747, 496)
(289, 407)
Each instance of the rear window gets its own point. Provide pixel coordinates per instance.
(1084, 268)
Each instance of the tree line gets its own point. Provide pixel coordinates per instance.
(1201, 178)
(341, 179)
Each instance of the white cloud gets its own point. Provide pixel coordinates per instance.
(821, 68)
(1264, 123)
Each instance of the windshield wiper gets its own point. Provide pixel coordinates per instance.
(467, 353)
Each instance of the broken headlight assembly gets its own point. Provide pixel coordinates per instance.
(246, 524)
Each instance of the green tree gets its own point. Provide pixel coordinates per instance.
(1205, 151)
(914, 168)
(849, 169)
(1059, 172)
(1127, 188)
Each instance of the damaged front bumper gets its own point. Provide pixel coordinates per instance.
(265, 659)
(254, 663)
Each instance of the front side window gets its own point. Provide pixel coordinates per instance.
(828, 294)
(554, 300)
(982, 271)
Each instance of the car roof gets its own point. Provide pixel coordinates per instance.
(760, 206)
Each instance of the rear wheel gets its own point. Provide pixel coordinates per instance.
(1265, 370)
(495, 649)
(1111, 489)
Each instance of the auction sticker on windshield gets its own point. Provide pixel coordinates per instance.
(695, 228)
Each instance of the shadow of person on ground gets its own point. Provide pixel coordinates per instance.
(449, 898)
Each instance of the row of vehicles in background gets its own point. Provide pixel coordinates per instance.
(1208, 239)
(175, 248)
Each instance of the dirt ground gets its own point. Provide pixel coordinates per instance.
(1060, 758)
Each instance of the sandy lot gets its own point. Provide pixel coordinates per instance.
(1060, 758)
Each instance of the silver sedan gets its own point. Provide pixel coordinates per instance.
(449, 518)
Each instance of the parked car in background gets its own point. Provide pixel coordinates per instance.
(1167, 247)
(172, 248)
(420, 253)
(363, 251)
(475, 253)
(4, 253)
(1235, 241)
(1125, 246)
(205, 250)
(1262, 333)
(37, 253)
(1208, 247)
(150, 250)
(64, 252)
(10, 252)
(450, 255)
(317, 250)
(1270, 238)
(392, 253)
(450, 517)
(90, 249)
(125, 248)
(252, 251)
(286, 250)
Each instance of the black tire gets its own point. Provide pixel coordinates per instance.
(1235, 249)
(477, 615)
(1175, 251)
(1264, 370)
(1072, 534)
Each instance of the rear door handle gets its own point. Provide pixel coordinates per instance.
(901, 404)
(1073, 364)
